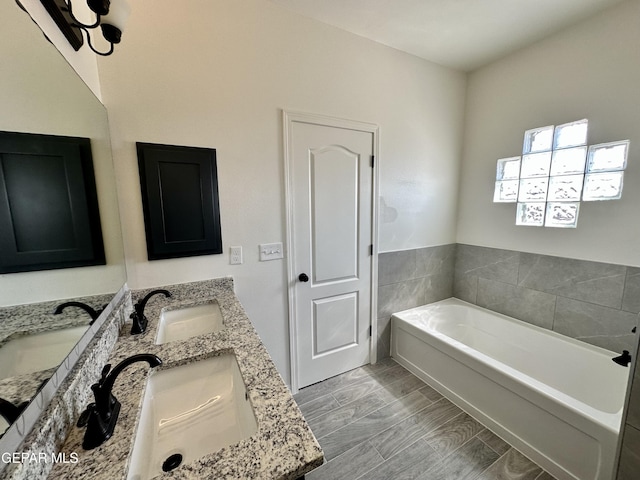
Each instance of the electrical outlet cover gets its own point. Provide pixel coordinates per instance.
(235, 255)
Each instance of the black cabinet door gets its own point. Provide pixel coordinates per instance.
(49, 216)
(180, 200)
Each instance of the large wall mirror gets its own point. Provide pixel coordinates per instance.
(41, 94)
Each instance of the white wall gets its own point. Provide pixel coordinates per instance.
(215, 73)
(83, 61)
(589, 71)
(40, 93)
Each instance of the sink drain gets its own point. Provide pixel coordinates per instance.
(172, 462)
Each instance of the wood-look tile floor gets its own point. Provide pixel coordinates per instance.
(380, 422)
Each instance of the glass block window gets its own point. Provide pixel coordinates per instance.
(602, 186)
(562, 214)
(556, 171)
(508, 169)
(565, 188)
(570, 134)
(533, 189)
(607, 157)
(568, 161)
(531, 214)
(506, 191)
(536, 165)
(538, 140)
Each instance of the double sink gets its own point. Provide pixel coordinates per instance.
(190, 410)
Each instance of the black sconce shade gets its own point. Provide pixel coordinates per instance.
(110, 18)
(60, 14)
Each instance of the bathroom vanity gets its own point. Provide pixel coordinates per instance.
(277, 444)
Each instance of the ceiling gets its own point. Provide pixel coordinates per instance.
(461, 34)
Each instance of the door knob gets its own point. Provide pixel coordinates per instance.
(303, 277)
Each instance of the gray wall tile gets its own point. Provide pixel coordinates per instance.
(438, 260)
(465, 287)
(383, 346)
(631, 297)
(485, 276)
(394, 267)
(522, 285)
(400, 296)
(437, 287)
(395, 298)
(408, 279)
(531, 306)
(605, 327)
(630, 455)
(633, 412)
(489, 263)
(595, 282)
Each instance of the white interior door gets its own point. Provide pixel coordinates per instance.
(331, 187)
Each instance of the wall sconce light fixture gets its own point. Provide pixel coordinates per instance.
(110, 16)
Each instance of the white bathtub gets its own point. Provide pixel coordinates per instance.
(557, 400)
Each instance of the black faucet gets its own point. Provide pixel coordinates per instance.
(100, 417)
(94, 314)
(139, 320)
(11, 412)
(623, 359)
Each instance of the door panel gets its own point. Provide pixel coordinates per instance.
(332, 230)
(335, 323)
(334, 237)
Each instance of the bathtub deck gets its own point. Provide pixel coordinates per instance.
(381, 422)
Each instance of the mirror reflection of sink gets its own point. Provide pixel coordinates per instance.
(189, 322)
(190, 411)
(39, 351)
(3, 425)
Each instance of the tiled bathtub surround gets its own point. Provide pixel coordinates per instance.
(630, 447)
(594, 302)
(410, 278)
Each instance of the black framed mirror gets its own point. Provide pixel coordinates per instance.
(41, 94)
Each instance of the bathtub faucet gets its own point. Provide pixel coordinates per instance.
(623, 359)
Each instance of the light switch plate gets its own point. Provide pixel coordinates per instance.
(271, 251)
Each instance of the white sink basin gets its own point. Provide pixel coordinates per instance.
(191, 410)
(40, 351)
(189, 322)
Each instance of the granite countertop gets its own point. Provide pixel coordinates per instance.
(20, 321)
(283, 447)
(34, 318)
